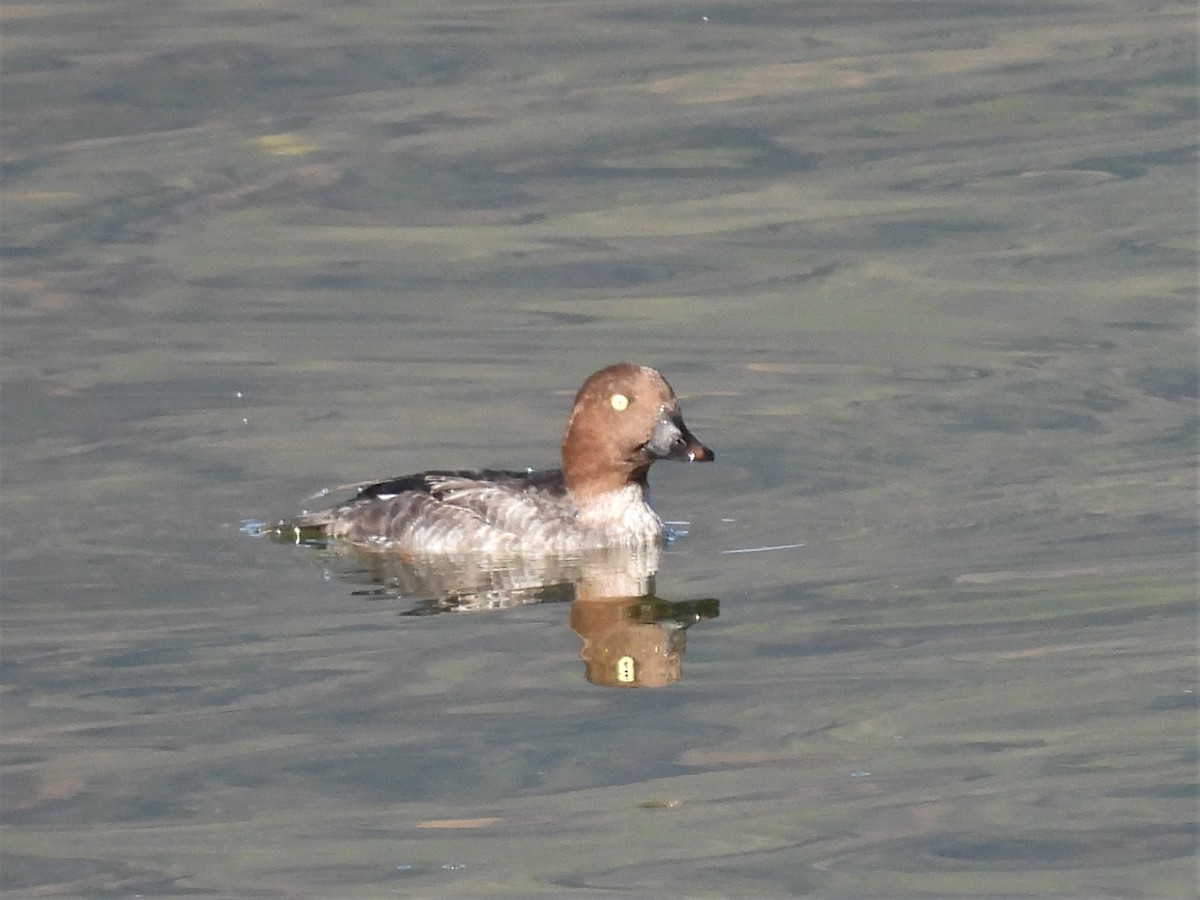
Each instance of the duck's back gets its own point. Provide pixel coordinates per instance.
(486, 511)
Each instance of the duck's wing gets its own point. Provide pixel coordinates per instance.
(443, 511)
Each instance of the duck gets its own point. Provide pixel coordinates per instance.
(623, 419)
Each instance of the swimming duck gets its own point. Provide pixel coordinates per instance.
(624, 417)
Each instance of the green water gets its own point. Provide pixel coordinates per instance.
(923, 275)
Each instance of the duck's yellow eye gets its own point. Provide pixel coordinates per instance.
(619, 402)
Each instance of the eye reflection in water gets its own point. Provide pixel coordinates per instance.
(630, 637)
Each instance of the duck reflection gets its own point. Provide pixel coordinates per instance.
(630, 637)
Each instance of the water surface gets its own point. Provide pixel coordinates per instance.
(923, 276)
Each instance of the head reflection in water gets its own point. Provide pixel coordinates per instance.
(634, 641)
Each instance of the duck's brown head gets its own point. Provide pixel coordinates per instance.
(623, 419)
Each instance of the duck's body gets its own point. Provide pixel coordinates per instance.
(623, 418)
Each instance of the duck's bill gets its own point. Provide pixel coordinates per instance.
(672, 440)
(696, 451)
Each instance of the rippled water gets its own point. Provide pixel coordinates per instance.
(923, 276)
